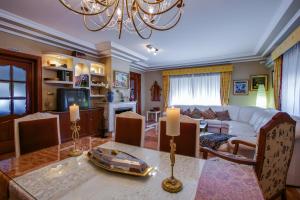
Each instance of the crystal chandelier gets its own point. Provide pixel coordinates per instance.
(140, 16)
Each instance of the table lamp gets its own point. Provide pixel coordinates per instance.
(172, 184)
(74, 118)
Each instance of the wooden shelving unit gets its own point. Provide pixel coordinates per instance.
(59, 82)
(57, 68)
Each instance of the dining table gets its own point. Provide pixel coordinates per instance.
(52, 174)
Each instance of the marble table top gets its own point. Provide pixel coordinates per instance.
(63, 177)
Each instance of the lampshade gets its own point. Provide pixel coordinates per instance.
(261, 98)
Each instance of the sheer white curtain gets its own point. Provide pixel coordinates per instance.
(290, 92)
(198, 89)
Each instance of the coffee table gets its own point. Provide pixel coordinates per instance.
(203, 126)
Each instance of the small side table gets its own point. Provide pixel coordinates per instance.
(155, 113)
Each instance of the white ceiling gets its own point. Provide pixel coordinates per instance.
(210, 30)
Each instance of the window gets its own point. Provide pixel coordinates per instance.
(197, 89)
(290, 92)
(13, 92)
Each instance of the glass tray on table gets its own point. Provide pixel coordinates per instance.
(118, 161)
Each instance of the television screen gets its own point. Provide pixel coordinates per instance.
(67, 97)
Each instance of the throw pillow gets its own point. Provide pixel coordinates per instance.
(186, 112)
(196, 113)
(223, 115)
(209, 114)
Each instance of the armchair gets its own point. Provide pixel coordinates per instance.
(273, 154)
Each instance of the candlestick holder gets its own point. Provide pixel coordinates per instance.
(172, 184)
(75, 136)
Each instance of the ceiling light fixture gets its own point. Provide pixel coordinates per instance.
(152, 49)
(140, 16)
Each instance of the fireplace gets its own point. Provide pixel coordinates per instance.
(117, 108)
(120, 110)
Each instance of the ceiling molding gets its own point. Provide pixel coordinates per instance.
(208, 63)
(285, 4)
(294, 20)
(19, 26)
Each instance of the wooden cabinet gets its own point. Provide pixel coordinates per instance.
(91, 123)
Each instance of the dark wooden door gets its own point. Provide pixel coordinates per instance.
(20, 92)
(135, 89)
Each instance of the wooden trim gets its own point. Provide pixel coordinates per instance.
(199, 70)
(289, 42)
(229, 157)
(238, 142)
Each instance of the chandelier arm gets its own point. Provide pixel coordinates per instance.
(127, 8)
(160, 12)
(103, 26)
(160, 28)
(137, 31)
(83, 13)
(121, 21)
(106, 5)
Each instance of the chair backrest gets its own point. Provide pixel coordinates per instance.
(274, 153)
(36, 131)
(187, 143)
(130, 128)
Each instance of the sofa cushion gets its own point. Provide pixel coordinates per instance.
(246, 113)
(223, 115)
(233, 111)
(208, 114)
(256, 115)
(240, 129)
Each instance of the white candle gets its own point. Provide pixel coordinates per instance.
(74, 113)
(173, 122)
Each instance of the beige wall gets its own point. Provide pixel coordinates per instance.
(244, 71)
(150, 77)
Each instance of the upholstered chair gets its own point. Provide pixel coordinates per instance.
(130, 128)
(187, 143)
(36, 131)
(273, 155)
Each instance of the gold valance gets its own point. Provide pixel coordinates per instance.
(199, 70)
(289, 42)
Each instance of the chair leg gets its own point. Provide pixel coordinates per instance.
(283, 195)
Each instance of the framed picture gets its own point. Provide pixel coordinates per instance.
(121, 79)
(240, 87)
(259, 79)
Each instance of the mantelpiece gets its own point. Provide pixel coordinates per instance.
(113, 107)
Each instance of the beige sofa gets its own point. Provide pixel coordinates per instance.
(245, 124)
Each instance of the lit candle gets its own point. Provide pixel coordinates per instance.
(173, 121)
(74, 113)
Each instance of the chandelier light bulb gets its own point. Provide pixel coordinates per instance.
(119, 12)
(151, 9)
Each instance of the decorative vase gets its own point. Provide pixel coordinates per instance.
(110, 96)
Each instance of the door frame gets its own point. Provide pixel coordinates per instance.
(137, 77)
(36, 83)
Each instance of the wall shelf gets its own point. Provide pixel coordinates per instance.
(97, 95)
(96, 74)
(59, 82)
(57, 68)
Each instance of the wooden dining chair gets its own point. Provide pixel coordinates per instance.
(187, 143)
(130, 128)
(273, 155)
(36, 131)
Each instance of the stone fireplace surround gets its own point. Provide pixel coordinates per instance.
(118, 106)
